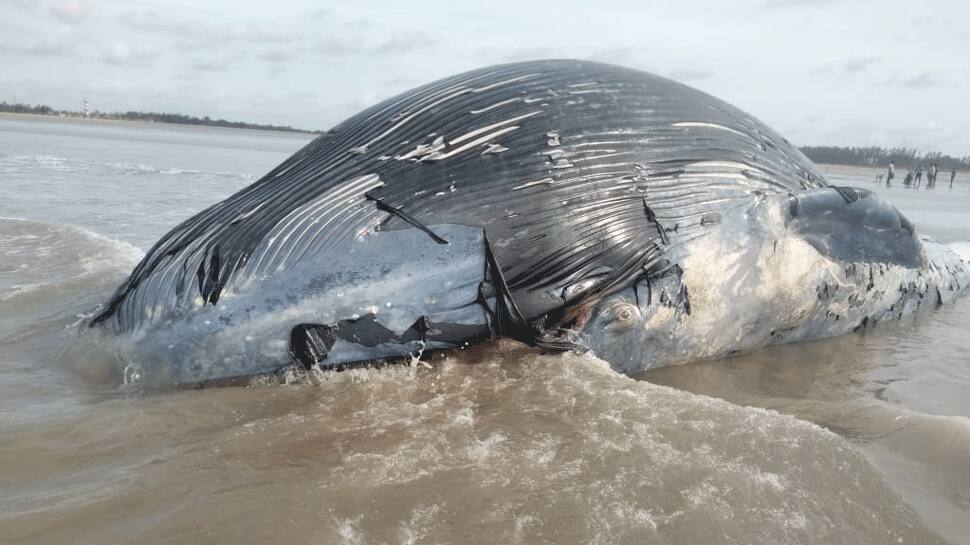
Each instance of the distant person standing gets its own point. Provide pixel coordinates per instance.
(891, 174)
(932, 175)
(953, 174)
(919, 175)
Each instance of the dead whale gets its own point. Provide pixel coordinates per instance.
(566, 204)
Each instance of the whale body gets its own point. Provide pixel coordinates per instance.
(569, 205)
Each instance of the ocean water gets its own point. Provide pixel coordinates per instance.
(863, 438)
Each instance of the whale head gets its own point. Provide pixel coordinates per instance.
(814, 264)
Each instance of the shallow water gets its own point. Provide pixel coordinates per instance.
(859, 439)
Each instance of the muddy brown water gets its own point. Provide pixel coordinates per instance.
(863, 438)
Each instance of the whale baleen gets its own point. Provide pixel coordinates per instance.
(566, 204)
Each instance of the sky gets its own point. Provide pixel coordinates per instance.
(820, 72)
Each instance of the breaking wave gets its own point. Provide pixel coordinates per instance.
(495, 444)
(57, 259)
(29, 164)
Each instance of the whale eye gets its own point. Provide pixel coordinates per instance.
(622, 316)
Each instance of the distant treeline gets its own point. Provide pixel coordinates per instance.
(152, 117)
(880, 157)
(26, 109)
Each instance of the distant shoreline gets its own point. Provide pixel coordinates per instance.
(823, 161)
(144, 123)
(879, 157)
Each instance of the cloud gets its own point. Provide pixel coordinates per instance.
(216, 61)
(278, 59)
(933, 126)
(627, 56)
(278, 55)
(192, 34)
(527, 54)
(341, 17)
(632, 57)
(395, 45)
(10, 29)
(782, 4)
(267, 33)
(23, 4)
(406, 43)
(921, 81)
(152, 21)
(853, 66)
(690, 74)
(210, 44)
(70, 12)
(213, 48)
(63, 43)
(340, 46)
(846, 68)
(122, 55)
(400, 81)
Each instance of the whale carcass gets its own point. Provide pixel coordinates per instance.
(564, 204)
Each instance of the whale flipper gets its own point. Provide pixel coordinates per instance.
(855, 226)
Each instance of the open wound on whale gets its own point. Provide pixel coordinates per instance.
(498, 313)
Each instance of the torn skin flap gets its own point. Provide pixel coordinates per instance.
(378, 198)
(652, 218)
(384, 294)
(311, 344)
(391, 294)
(507, 318)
